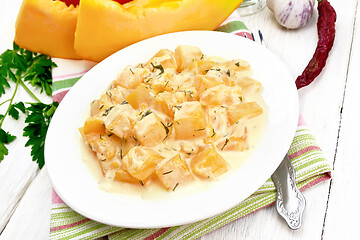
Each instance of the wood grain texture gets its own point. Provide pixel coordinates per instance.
(343, 208)
(31, 219)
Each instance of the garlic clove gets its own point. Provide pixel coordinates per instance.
(291, 14)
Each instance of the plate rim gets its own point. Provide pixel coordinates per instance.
(167, 223)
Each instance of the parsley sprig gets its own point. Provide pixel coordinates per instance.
(24, 67)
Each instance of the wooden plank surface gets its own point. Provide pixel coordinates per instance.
(321, 106)
(16, 170)
(343, 211)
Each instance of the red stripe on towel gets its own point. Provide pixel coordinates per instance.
(245, 35)
(59, 96)
(55, 198)
(157, 234)
(304, 150)
(54, 229)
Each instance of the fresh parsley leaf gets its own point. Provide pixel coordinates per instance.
(3, 84)
(30, 67)
(14, 110)
(38, 121)
(39, 73)
(23, 66)
(5, 138)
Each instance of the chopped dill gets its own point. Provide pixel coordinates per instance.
(160, 67)
(148, 112)
(175, 186)
(168, 172)
(226, 142)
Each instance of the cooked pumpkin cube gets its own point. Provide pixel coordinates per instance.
(163, 52)
(120, 120)
(188, 149)
(189, 120)
(141, 162)
(221, 95)
(118, 94)
(94, 125)
(232, 143)
(248, 85)
(127, 144)
(100, 105)
(122, 175)
(149, 130)
(185, 55)
(218, 119)
(164, 103)
(103, 145)
(247, 110)
(164, 58)
(162, 82)
(237, 65)
(131, 76)
(108, 167)
(199, 67)
(220, 72)
(173, 173)
(185, 84)
(141, 97)
(236, 141)
(202, 83)
(209, 164)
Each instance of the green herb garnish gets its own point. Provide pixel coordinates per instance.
(22, 67)
(160, 67)
(168, 172)
(148, 112)
(226, 142)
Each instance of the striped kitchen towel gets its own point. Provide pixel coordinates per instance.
(307, 158)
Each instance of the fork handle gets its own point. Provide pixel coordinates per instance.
(290, 202)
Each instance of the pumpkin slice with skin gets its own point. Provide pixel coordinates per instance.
(105, 26)
(48, 27)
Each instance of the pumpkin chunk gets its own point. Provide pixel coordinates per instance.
(104, 146)
(185, 55)
(209, 164)
(131, 76)
(189, 120)
(141, 162)
(229, 95)
(94, 125)
(246, 110)
(119, 120)
(122, 175)
(149, 130)
(142, 97)
(173, 173)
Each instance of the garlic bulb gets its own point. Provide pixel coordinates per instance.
(291, 14)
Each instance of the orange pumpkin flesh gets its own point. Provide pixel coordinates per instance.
(76, 2)
(48, 27)
(105, 26)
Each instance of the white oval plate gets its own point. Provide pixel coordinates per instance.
(78, 188)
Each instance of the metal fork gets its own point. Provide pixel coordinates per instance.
(290, 202)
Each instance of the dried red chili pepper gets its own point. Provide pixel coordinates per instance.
(326, 34)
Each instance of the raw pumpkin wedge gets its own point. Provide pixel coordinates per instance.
(105, 26)
(47, 26)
